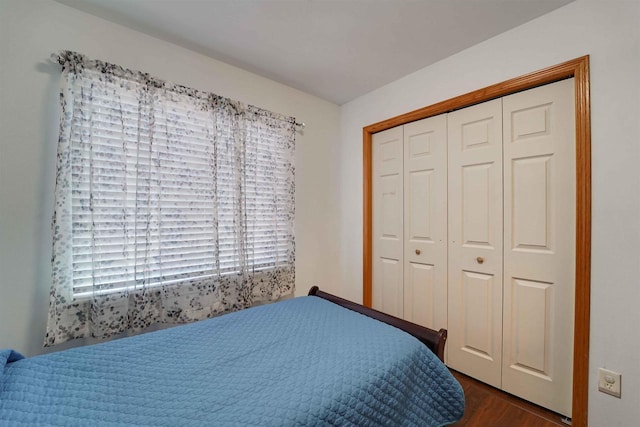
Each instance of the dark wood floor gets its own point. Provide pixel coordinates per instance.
(490, 407)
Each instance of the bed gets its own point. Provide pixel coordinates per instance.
(313, 360)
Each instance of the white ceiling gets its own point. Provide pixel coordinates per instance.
(335, 49)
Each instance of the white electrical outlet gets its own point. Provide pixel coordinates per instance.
(609, 382)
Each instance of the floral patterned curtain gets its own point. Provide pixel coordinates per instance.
(171, 204)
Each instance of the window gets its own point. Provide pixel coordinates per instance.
(165, 187)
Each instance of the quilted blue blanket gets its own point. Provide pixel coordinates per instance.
(304, 361)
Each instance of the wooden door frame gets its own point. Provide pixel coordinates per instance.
(578, 69)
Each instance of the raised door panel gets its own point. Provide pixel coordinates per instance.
(531, 306)
(425, 222)
(478, 300)
(475, 241)
(390, 294)
(539, 244)
(388, 196)
(419, 294)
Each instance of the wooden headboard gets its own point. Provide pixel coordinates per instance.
(435, 340)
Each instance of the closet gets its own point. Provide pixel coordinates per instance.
(474, 230)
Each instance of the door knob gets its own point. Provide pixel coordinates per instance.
(479, 260)
(417, 251)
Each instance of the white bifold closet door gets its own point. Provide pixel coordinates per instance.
(425, 222)
(410, 222)
(475, 241)
(512, 243)
(474, 229)
(388, 245)
(539, 244)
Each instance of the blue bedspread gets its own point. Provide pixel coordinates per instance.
(304, 361)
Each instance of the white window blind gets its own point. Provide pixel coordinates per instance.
(165, 191)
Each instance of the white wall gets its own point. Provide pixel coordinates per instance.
(30, 31)
(609, 32)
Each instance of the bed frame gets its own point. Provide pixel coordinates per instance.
(432, 339)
